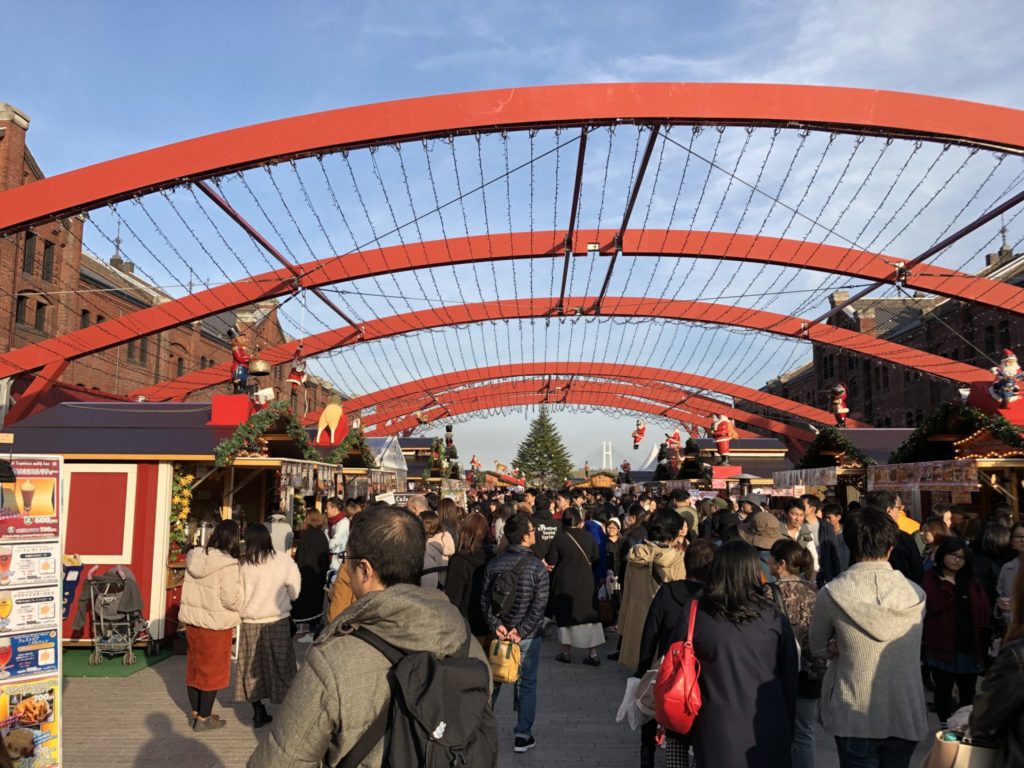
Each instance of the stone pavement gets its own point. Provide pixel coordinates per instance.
(140, 721)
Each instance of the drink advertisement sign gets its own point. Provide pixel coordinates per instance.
(34, 653)
(29, 609)
(25, 564)
(30, 506)
(31, 709)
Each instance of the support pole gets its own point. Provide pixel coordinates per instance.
(560, 308)
(40, 385)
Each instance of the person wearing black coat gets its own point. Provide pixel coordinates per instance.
(466, 570)
(749, 667)
(573, 595)
(313, 556)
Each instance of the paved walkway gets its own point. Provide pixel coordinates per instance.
(140, 721)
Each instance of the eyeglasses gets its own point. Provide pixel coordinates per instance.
(957, 556)
(1019, 537)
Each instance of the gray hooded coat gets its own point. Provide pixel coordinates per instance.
(872, 689)
(342, 684)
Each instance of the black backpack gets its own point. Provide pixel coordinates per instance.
(440, 712)
(503, 589)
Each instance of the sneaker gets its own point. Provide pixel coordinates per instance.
(524, 743)
(208, 724)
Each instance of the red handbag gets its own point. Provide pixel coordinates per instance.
(676, 690)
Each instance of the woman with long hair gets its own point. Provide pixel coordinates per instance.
(450, 515)
(210, 598)
(992, 554)
(571, 556)
(466, 568)
(793, 568)
(435, 564)
(998, 712)
(313, 556)
(956, 622)
(749, 666)
(266, 656)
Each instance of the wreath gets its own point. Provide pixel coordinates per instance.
(353, 440)
(828, 446)
(247, 439)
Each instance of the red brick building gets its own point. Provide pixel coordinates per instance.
(53, 287)
(887, 395)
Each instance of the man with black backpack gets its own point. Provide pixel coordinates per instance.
(515, 594)
(397, 680)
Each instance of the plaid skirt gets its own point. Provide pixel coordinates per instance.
(266, 661)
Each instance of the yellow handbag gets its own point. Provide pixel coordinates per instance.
(504, 657)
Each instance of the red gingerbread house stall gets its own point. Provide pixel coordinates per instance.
(144, 481)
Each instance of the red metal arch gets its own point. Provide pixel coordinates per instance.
(840, 109)
(481, 248)
(641, 374)
(695, 311)
(676, 399)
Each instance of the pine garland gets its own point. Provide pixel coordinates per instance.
(952, 418)
(824, 450)
(246, 437)
(354, 439)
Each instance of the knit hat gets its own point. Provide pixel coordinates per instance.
(720, 503)
(761, 529)
(614, 520)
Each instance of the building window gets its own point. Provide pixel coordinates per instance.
(878, 378)
(100, 319)
(40, 316)
(918, 418)
(1004, 334)
(990, 340)
(132, 349)
(906, 375)
(908, 419)
(85, 319)
(143, 349)
(181, 367)
(202, 362)
(28, 260)
(47, 261)
(21, 310)
(885, 377)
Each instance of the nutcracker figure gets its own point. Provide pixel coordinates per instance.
(838, 404)
(638, 433)
(1006, 387)
(724, 432)
(240, 357)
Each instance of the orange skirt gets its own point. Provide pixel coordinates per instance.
(208, 663)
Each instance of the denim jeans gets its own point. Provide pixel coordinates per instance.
(526, 689)
(803, 733)
(874, 753)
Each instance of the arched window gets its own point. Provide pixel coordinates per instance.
(86, 319)
(181, 366)
(41, 308)
(202, 362)
(1004, 333)
(21, 310)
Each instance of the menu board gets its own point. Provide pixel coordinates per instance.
(31, 709)
(30, 611)
(30, 506)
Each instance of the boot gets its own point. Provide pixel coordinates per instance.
(260, 716)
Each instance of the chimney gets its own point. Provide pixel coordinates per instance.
(866, 321)
(11, 114)
(838, 298)
(117, 262)
(128, 267)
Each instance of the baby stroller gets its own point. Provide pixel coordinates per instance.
(117, 622)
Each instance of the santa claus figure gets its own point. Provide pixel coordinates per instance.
(240, 358)
(724, 432)
(838, 404)
(1006, 387)
(297, 374)
(674, 440)
(638, 433)
(474, 463)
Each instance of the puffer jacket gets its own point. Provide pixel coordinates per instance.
(212, 593)
(648, 566)
(998, 713)
(532, 589)
(342, 685)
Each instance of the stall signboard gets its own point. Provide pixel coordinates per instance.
(31, 709)
(818, 476)
(30, 506)
(952, 475)
(30, 610)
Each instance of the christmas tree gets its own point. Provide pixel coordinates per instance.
(542, 455)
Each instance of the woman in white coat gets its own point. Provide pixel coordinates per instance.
(210, 599)
(266, 656)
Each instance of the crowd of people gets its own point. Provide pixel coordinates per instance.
(808, 613)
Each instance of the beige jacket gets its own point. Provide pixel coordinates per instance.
(648, 566)
(212, 593)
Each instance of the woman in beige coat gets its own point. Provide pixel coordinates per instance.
(649, 565)
(210, 599)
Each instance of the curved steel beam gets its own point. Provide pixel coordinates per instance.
(694, 311)
(637, 373)
(370, 263)
(819, 107)
(674, 398)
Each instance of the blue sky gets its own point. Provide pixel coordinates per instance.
(110, 78)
